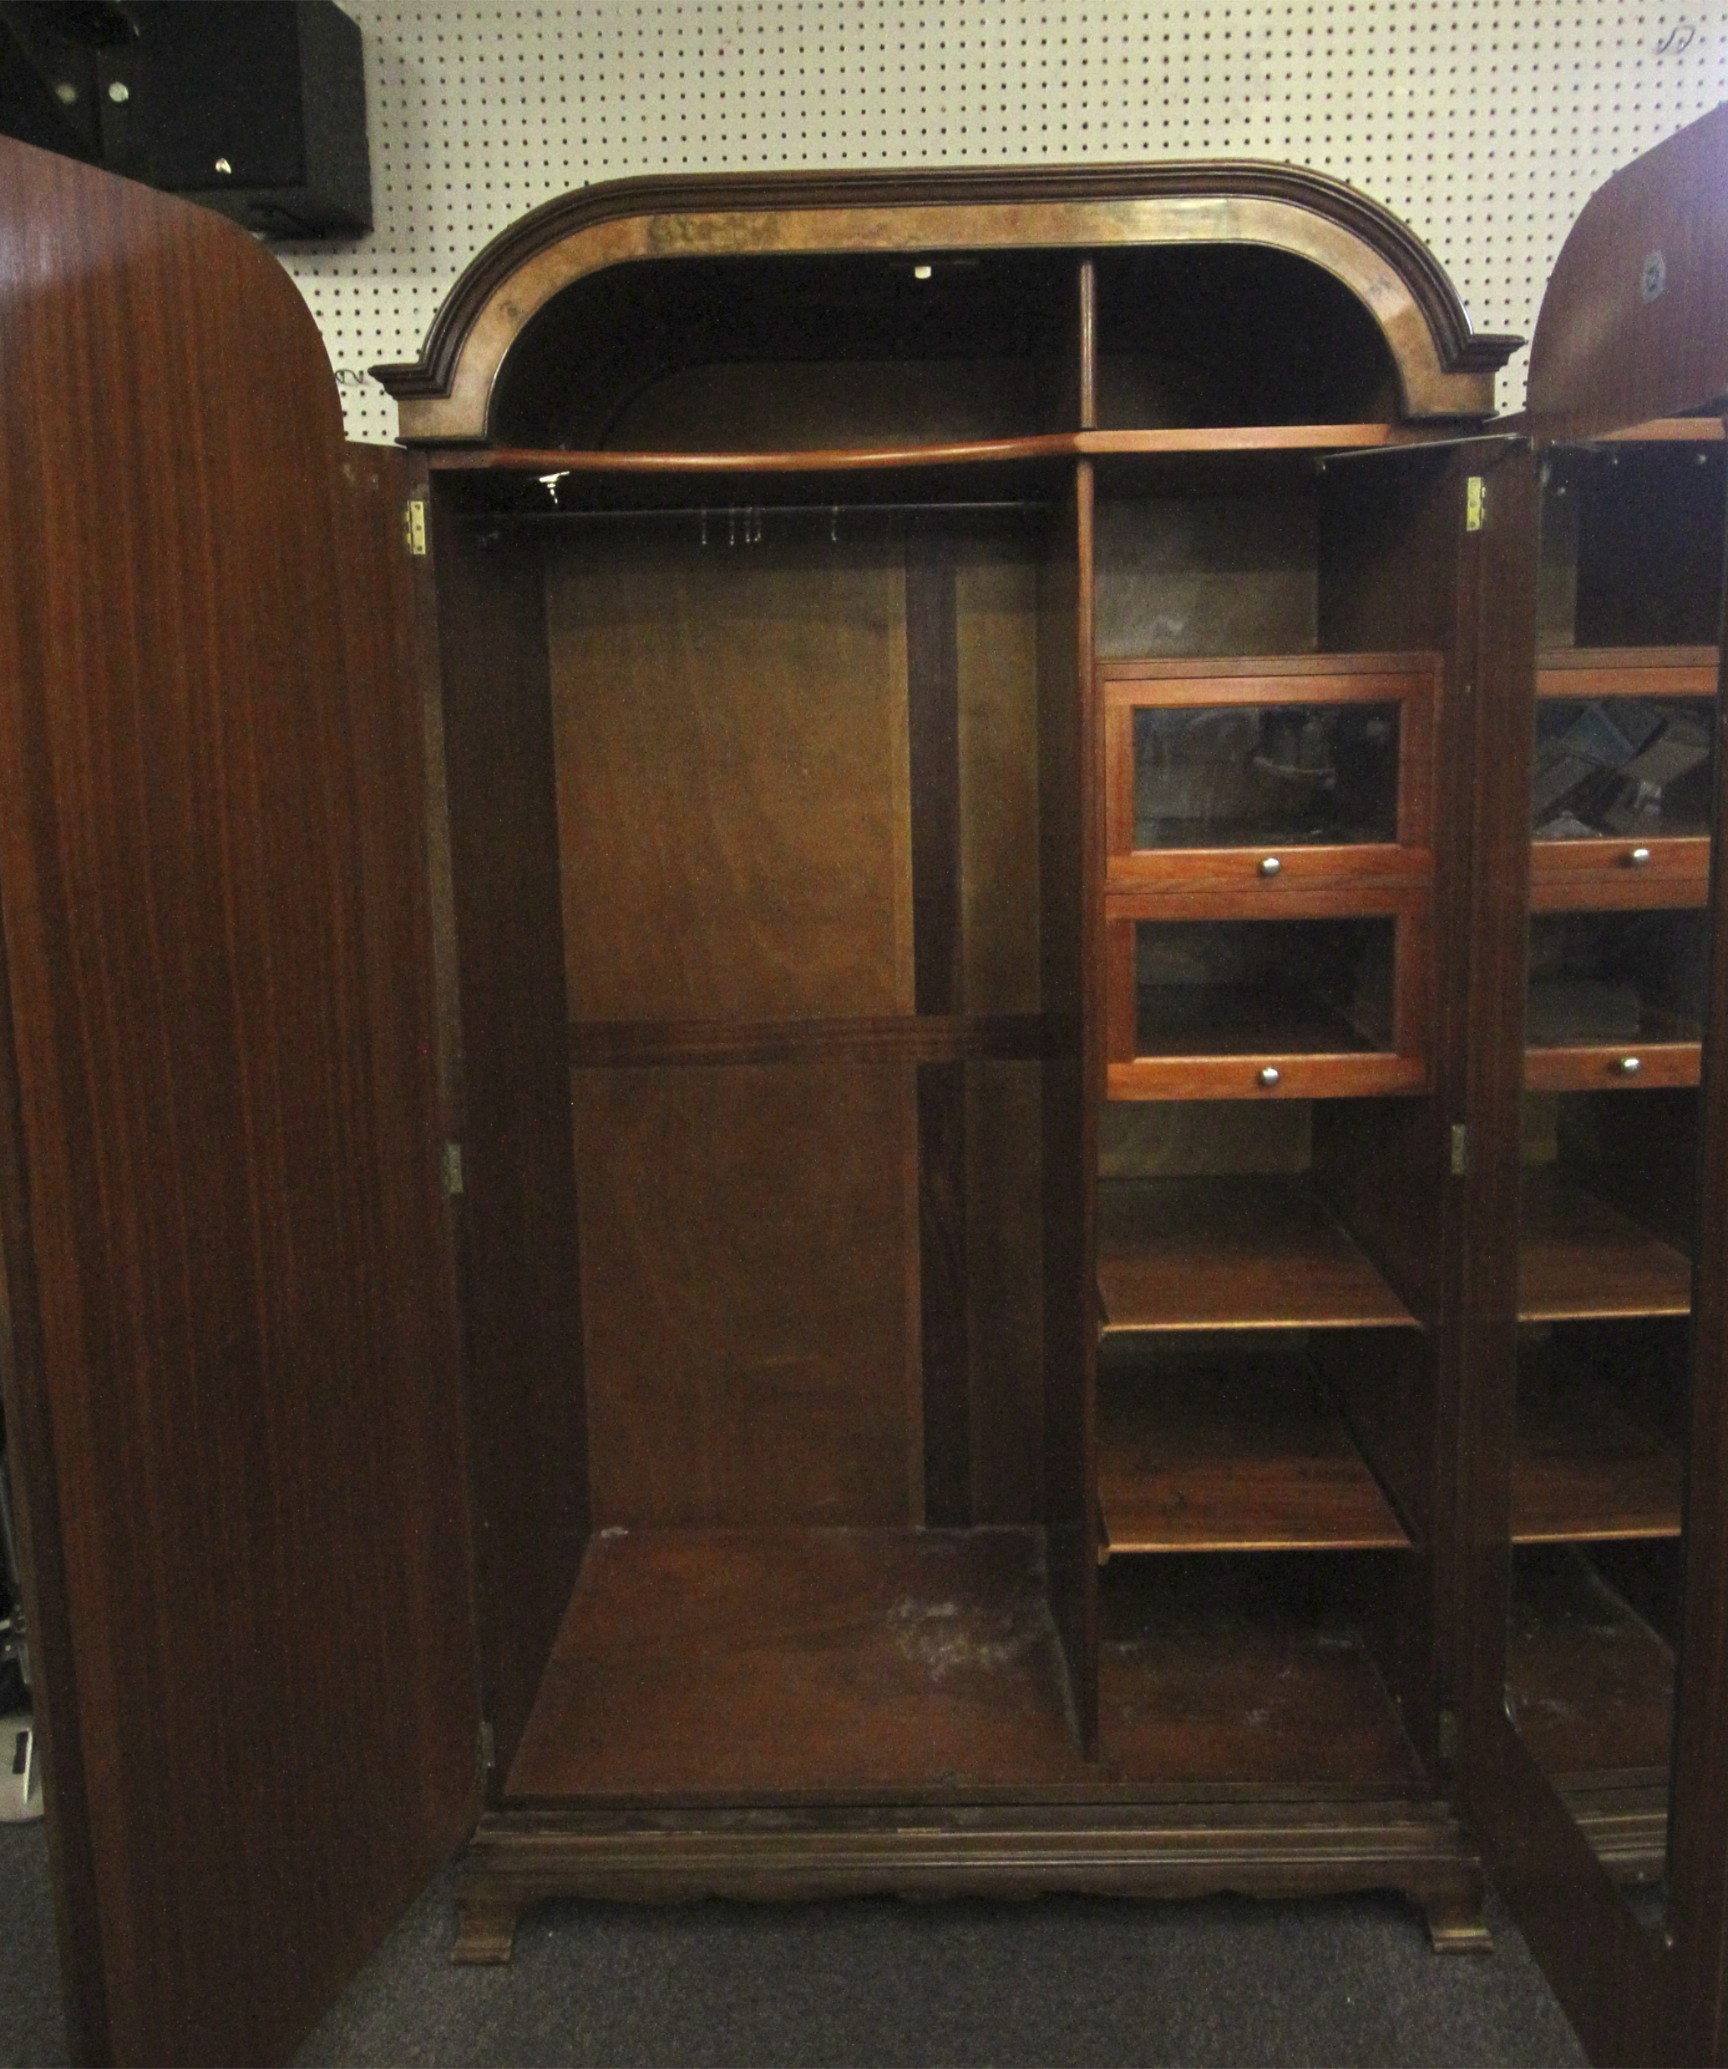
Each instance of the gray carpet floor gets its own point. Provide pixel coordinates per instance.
(1060, 1981)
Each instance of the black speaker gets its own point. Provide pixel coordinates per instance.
(253, 107)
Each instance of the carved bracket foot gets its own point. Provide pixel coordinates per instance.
(1454, 1914)
(485, 1929)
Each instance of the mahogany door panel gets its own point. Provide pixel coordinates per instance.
(233, 1379)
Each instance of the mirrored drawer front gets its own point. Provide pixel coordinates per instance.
(1305, 1007)
(1615, 998)
(1274, 769)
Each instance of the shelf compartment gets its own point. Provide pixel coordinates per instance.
(1246, 1673)
(1216, 767)
(1216, 1454)
(729, 1664)
(1232, 1253)
(1589, 1684)
(1584, 1468)
(1209, 998)
(1580, 1259)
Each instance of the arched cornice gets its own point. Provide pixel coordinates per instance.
(1444, 368)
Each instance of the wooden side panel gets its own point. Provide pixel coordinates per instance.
(732, 779)
(233, 1315)
(750, 1294)
(518, 1209)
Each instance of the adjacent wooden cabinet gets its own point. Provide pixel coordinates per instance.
(907, 1083)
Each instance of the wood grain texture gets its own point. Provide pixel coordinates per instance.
(850, 1038)
(1227, 572)
(1608, 352)
(1602, 876)
(1005, 1290)
(1245, 1674)
(1070, 858)
(1591, 1686)
(731, 1665)
(1588, 1468)
(750, 1295)
(1221, 1456)
(517, 1214)
(1443, 369)
(1627, 671)
(222, 1158)
(1206, 1845)
(1232, 1253)
(873, 454)
(732, 781)
(933, 728)
(1580, 1258)
(996, 598)
(1599, 1066)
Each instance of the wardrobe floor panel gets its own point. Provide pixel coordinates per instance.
(733, 1664)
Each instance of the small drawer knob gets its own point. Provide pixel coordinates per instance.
(1637, 858)
(1270, 1075)
(1270, 865)
(1629, 1066)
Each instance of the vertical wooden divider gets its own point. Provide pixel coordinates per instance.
(1070, 807)
(933, 733)
(1698, 1803)
(528, 1455)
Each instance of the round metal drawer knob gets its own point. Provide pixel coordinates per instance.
(1270, 865)
(1270, 1075)
(1629, 1066)
(1638, 858)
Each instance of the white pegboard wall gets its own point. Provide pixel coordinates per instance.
(1485, 124)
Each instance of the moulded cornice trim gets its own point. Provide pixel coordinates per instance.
(1446, 369)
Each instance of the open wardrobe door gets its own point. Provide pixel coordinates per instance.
(231, 1350)
(1594, 1467)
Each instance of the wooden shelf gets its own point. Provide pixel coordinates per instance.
(1586, 672)
(1586, 1469)
(1233, 1253)
(1579, 1259)
(1589, 1684)
(1214, 1454)
(729, 1664)
(1175, 440)
(1244, 1674)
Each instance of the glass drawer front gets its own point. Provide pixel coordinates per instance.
(1272, 775)
(1615, 979)
(1263, 987)
(1622, 769)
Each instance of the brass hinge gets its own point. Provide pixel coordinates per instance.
(451, 1168)
(1460, 1149)
(1475, 497)
(414, 526)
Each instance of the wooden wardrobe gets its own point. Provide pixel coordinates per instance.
(905, 1083)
